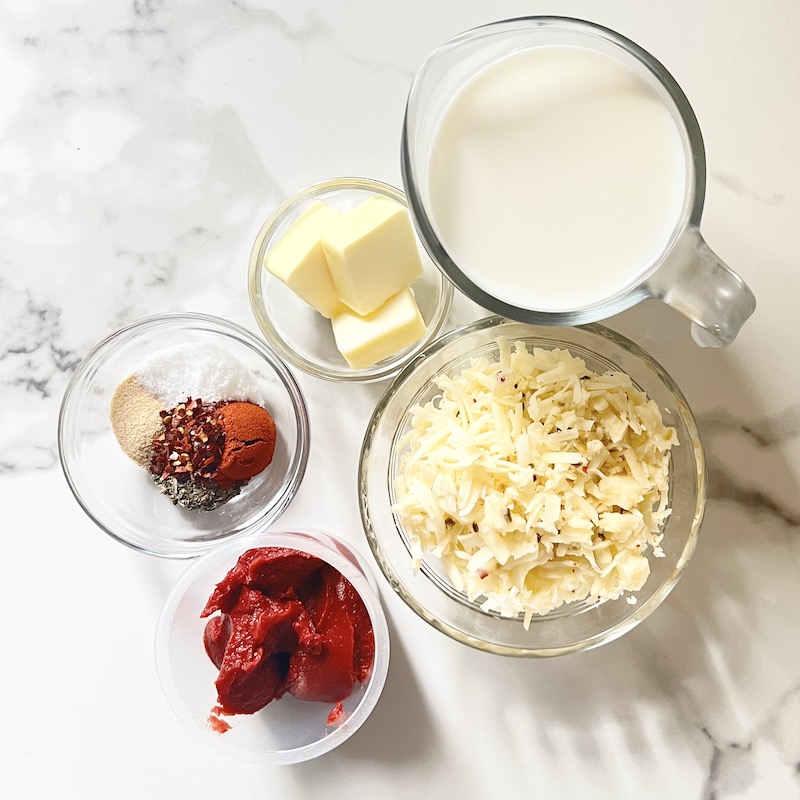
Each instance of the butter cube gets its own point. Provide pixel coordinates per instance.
(384, 332)
(372, 254)
(299, 261)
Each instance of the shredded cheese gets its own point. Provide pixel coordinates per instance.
(536, 481)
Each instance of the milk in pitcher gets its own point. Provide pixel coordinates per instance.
(558, 178)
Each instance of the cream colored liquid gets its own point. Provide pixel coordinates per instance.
(557, 178)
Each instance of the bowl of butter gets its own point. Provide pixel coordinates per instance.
(340, 285)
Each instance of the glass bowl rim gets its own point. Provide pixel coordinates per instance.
(298, 464)
(344, 374)
(644, 609)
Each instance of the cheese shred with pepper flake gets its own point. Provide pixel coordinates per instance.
(536, 481)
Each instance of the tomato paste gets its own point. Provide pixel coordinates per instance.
(288, 622)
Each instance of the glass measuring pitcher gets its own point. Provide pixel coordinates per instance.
(556, 173)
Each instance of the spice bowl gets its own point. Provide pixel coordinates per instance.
(429, 590)
(295, 330)
(287, 730)
(120, 496)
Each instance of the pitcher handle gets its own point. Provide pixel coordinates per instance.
(695, 281)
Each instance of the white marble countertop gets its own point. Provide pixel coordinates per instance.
(142, 144)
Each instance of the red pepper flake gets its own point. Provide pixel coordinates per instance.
(585, 469)
(191, 444)
(482, 573)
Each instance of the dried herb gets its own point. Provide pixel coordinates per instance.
(196, 496)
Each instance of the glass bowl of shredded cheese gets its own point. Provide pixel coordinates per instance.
(532, 490)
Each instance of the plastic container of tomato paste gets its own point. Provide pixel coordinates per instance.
(289, 729)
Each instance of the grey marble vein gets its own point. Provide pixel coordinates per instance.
(730, 770)
(734, 768)
(377, 65)
(771, 430)
(737, 187)
(36, 359)
(313, 30)
(768, 432)
(723, 487)
(32, 354)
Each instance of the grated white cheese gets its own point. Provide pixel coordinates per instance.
(536, 481)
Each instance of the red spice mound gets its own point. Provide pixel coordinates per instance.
(249, 442)
(289, 623)
(190, 444)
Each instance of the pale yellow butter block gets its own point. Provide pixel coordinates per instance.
(372, 253)
(299, 261)
(364, 340)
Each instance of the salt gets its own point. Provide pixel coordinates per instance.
(200, 371)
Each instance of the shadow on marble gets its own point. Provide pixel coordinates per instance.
(399, 731)
(680, 706)
(725, 641)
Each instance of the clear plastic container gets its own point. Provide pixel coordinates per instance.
(288, 730)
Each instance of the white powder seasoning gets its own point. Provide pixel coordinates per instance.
(200, 371)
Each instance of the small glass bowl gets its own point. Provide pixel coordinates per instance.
(288, 730)
(298, 332)
(118, 494)
(572, 627)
